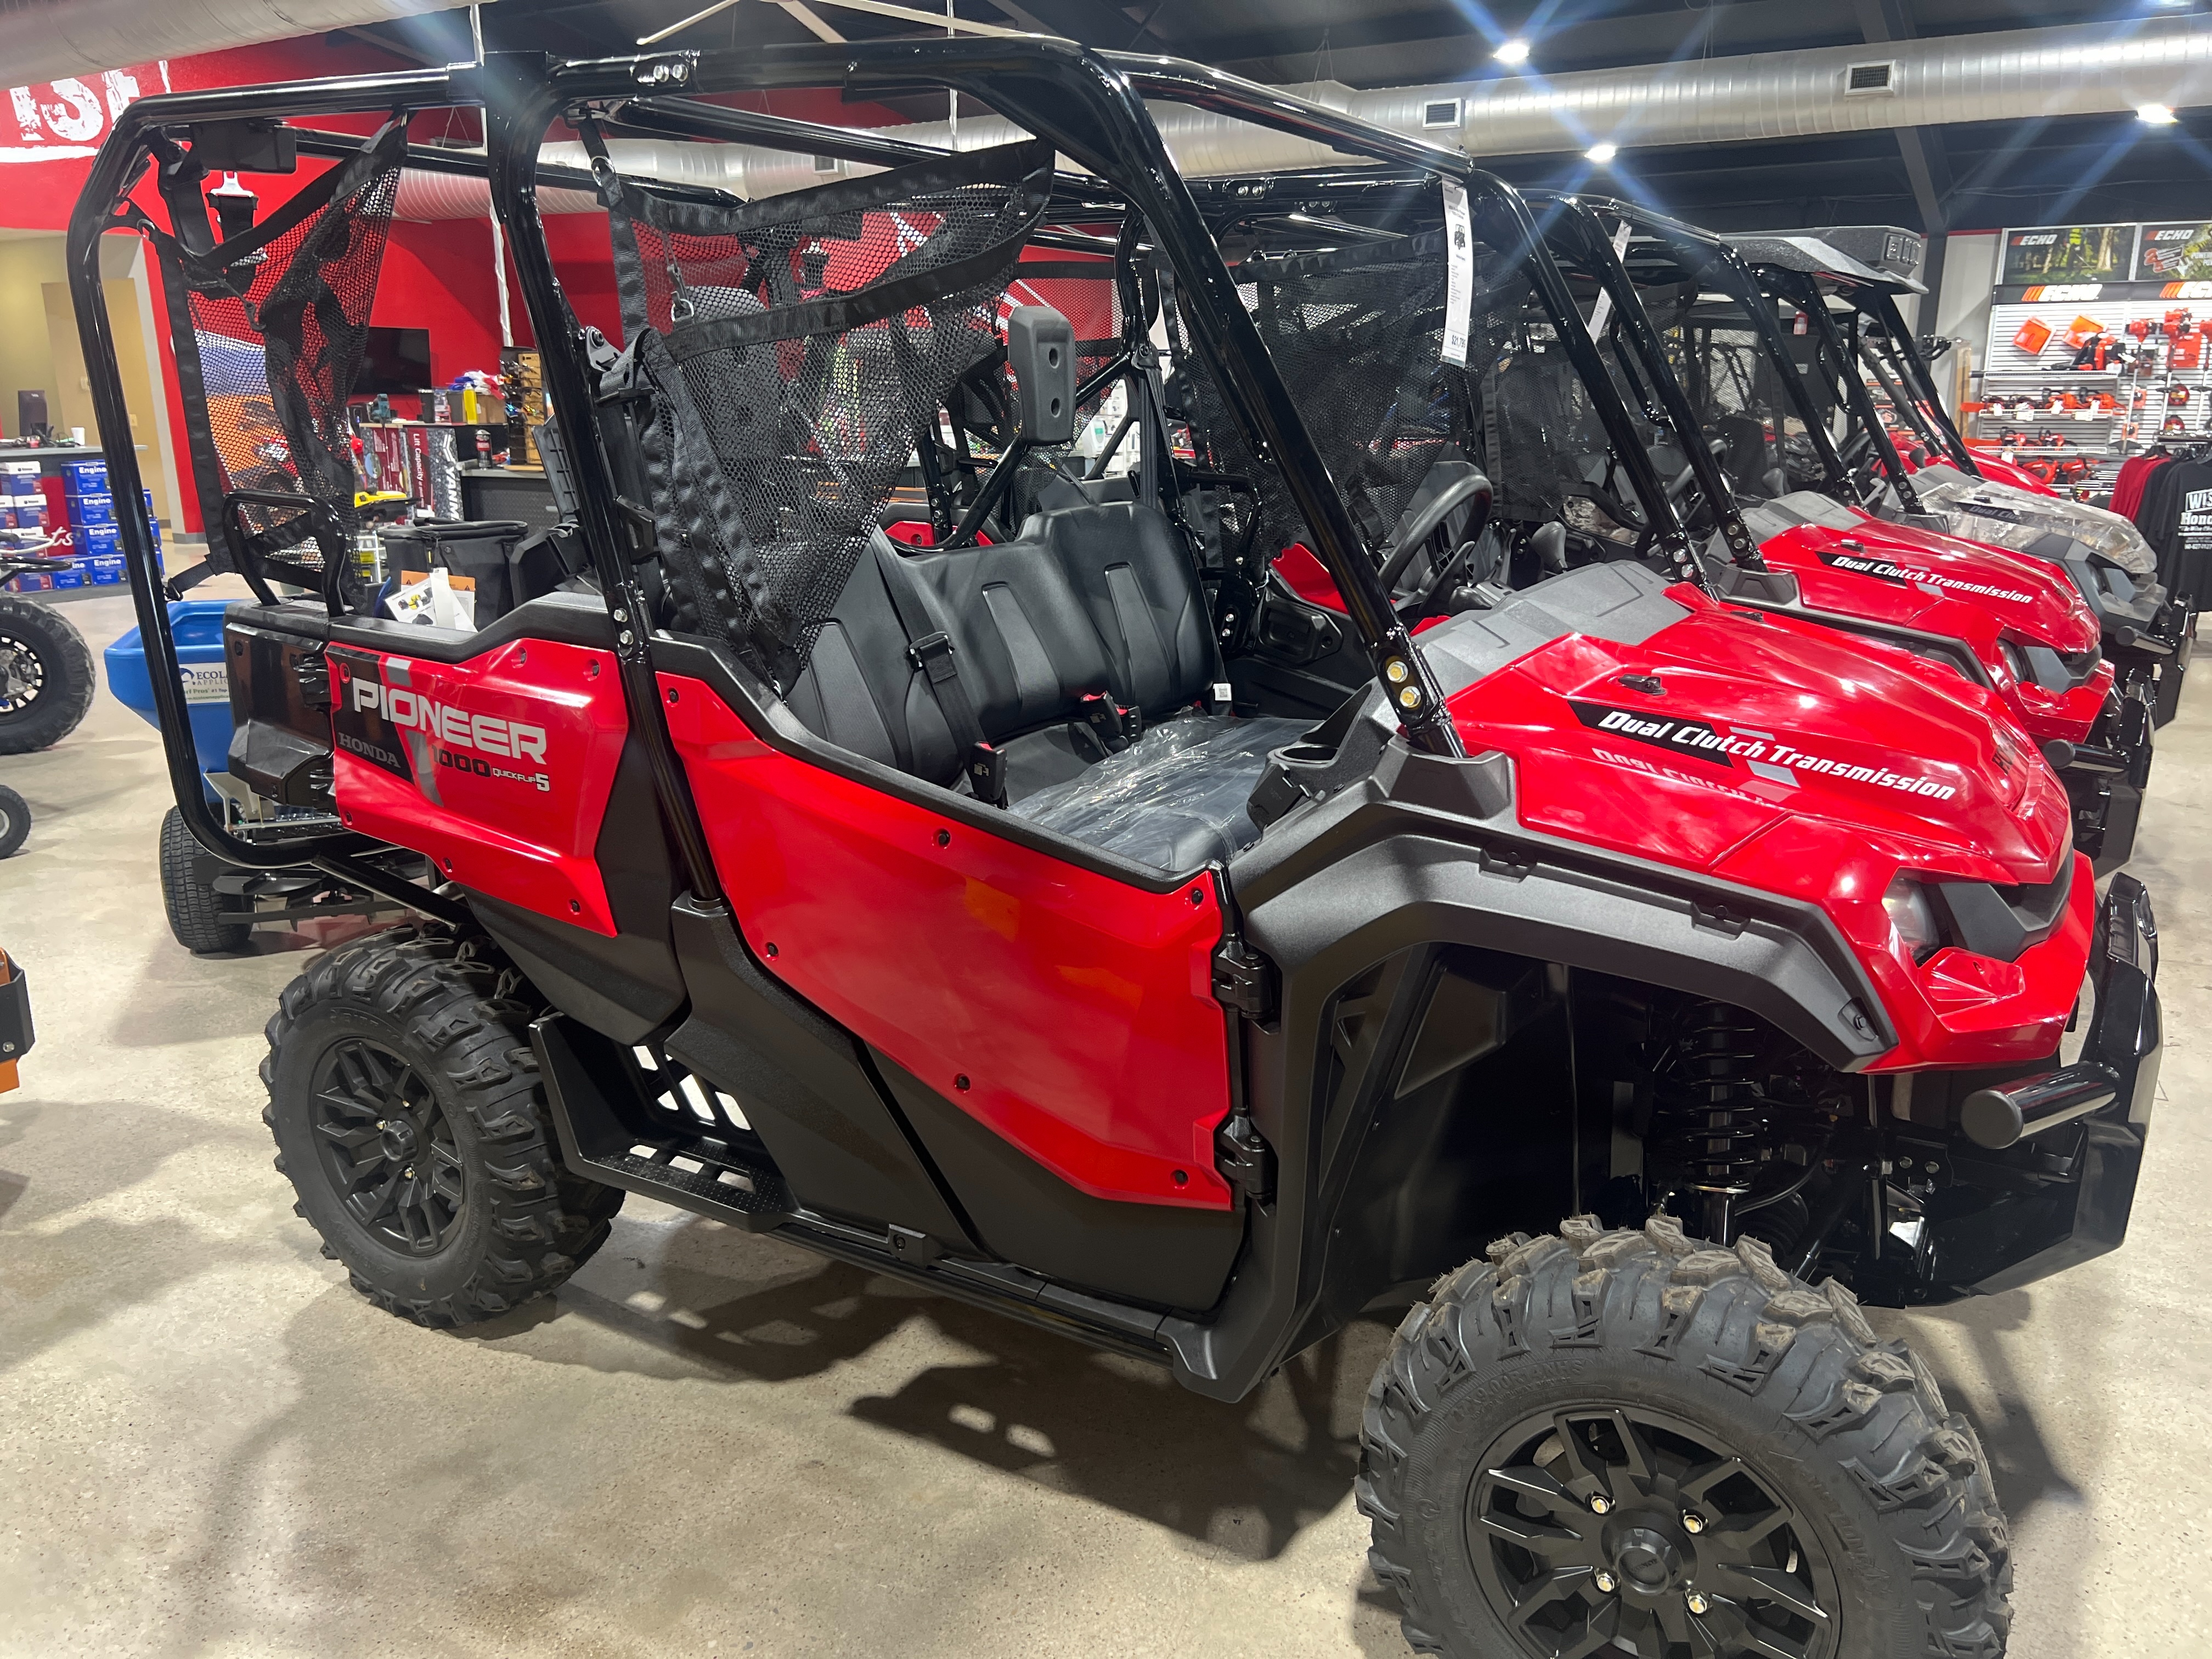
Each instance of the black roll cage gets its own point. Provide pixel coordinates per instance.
(1089, 105)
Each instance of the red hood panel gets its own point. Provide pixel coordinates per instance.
(1853, 562)
(1725, 724)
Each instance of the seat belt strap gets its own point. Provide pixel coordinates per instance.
(930, 649)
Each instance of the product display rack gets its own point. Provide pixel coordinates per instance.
(2145, 288)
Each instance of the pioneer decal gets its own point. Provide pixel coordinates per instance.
(1885, 570)
(1760, 753)
(414, 734)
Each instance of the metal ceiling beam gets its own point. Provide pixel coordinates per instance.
(1922, 147)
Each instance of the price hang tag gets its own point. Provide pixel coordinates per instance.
(1601, 313)
(1459, 252)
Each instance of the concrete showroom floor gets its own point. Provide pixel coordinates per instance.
(713, 1442)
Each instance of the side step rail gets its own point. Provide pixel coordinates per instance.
(696, 1158)
(600, 1112)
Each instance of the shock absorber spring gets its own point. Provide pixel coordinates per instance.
(1709, 1115)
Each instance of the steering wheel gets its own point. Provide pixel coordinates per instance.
(1469, 487)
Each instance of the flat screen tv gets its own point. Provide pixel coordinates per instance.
(396, 360)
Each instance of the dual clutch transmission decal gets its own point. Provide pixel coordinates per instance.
(1884, 570)
(1761, 753)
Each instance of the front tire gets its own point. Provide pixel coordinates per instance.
(407, 1112)
(46, 676)
(1634, 1436)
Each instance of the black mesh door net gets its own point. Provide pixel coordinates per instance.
(792, 347)
(270, 329)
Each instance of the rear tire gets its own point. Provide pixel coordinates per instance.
(196, 914)
(46, 676)
(408, 1112)
(1636, 1409)
(15, 820)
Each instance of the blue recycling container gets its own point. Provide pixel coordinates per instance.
(198, 626)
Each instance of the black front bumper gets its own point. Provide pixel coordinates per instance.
(2061, 1193)
(2105, 777)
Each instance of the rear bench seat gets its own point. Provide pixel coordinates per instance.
(1087, 599)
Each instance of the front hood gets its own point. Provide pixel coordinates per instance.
(1849, 560)
(1684, 743)
(2005, 515)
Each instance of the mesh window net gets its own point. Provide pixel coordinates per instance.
(793, 347)
(270, 329)
(1741, 399)
(1358, 338)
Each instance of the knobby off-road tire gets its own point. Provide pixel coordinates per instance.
(1658, 1353)
(46, 677)
(15, 820)
(409, 1116)
(195, 915)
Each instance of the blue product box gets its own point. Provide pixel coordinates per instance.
(92, 509)
(7, 513)
(92, 538)
(104, 570)
(71, 578)
(85, 477)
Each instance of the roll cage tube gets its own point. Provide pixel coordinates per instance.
(1089, 112)
(104, 206)
(1713, 263)
(519, 107)
(1806, 291)
(1864, 352)
(1879, 307)
(1577, 223)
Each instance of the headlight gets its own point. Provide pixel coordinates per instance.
(1913, 915)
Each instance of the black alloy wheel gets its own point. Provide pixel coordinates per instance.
(1600, 1530)
(22, 674)
(387, 1149)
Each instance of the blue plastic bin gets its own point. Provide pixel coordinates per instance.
(198, 627)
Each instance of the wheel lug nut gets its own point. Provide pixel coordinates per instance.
(1692, 1521)
(1607, 1581)
(1601, 1505)
(1697, 1603)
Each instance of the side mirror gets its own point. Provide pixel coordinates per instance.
(1041, 354)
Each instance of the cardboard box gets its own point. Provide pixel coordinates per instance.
(92, 509)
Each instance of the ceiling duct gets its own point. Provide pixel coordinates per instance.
(42, 40)
(2019, 75)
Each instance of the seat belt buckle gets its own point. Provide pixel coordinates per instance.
(1111, 726)
(986, 772)
(1220, 698)
(933, 654)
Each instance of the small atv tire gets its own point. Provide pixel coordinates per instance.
(46, 677)
(408, 1112)
(1583, 1437)
(195, 910)
(15, 820)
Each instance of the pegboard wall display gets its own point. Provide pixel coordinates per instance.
(2097, 348)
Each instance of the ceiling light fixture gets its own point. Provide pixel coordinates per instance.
(2155, 115)
(1601, 153)
(1513, 53)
